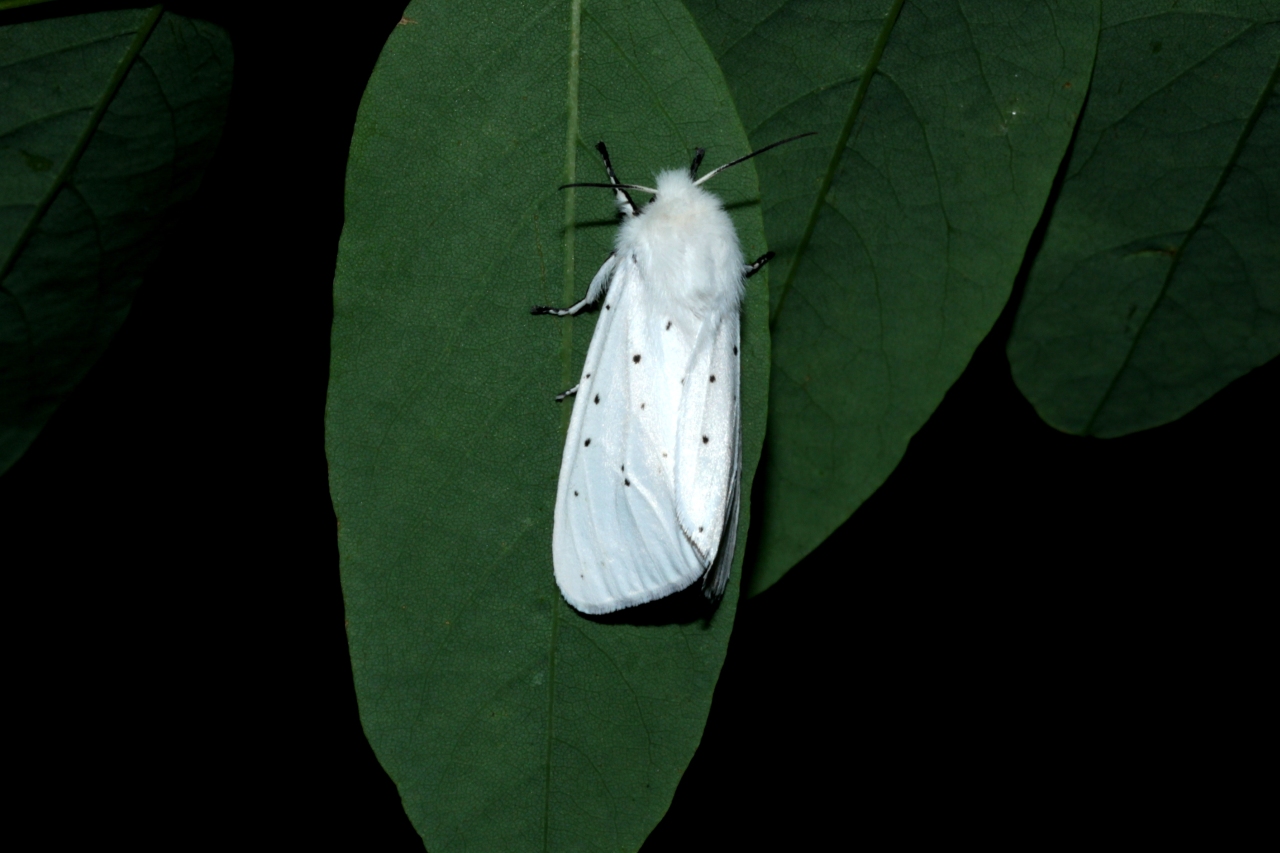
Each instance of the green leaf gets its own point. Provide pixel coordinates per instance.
(15, 4)
(106, 122)
(507, 720)
(899, 228)
(1159, 279)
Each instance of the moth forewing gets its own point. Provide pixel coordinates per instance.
(617, 540)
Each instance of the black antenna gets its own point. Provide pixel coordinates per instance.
(697, 161)
(614, 184)
(618, 192)
(719, 169)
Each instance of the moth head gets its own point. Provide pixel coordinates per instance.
(674, 184)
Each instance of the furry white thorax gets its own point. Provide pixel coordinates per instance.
(686, 247)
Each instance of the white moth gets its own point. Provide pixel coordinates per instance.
(651, 475)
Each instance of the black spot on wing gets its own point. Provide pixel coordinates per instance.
(705, 439)
(597, 399)
(668, 325)
(735, 350)
(635, 359)
(628, 482)
(713, 377)
(586, 443)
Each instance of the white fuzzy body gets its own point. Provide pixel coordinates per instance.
(647, 502)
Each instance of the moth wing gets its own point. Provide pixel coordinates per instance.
(717, 577)
(708, 469)
(617, 539)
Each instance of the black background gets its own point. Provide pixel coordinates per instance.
(1023, 635)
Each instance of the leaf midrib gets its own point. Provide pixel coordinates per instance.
(566, 366)
(837, 154)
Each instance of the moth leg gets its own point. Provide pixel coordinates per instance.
(573, 309)
(597, 288)
(753, 268)
(569, 393)
(625, 204)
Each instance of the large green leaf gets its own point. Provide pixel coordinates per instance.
(1159, 279)
(507, 720)
(899, 228)
(106, 122)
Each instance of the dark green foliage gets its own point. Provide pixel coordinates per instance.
(107, 121)
(900, 229)
(1159, 279)
(507, 720)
